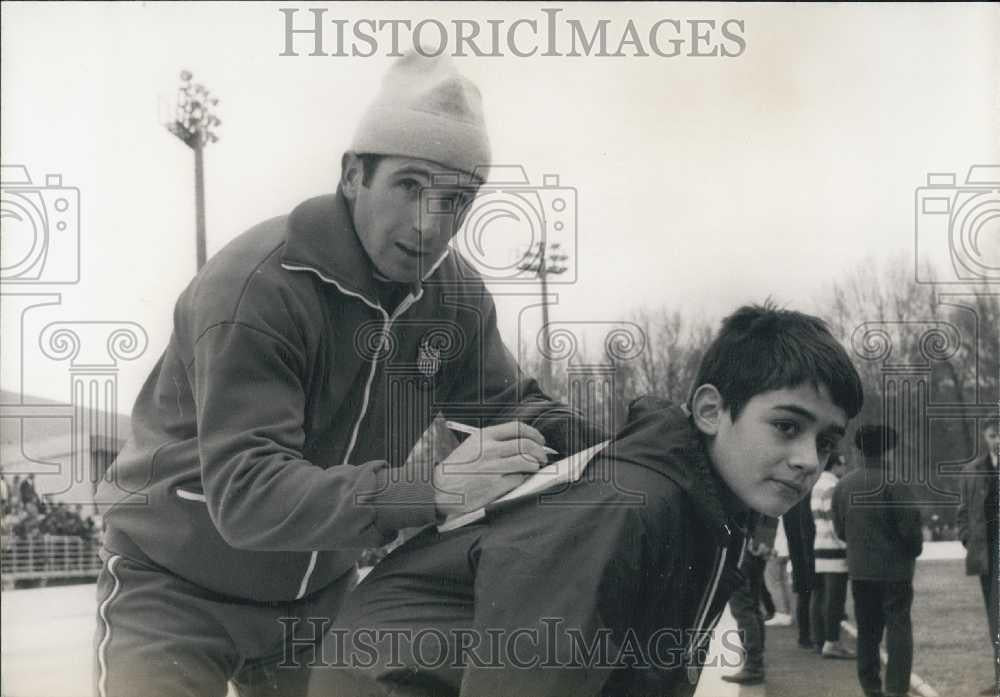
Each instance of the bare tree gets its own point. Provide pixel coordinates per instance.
(674, 349)
(919, 347)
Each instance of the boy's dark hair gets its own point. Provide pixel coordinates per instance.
(760, 348)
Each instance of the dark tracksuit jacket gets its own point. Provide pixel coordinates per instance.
(678, 556)
(265, 438)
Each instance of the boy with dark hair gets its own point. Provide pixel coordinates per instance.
(614, 584)
(884, 538)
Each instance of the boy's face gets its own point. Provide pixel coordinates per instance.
(402, 240)
(773, 453)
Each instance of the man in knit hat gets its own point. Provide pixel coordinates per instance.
(884, 538)
(271, 438)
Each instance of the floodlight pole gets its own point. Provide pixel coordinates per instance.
(199, 203)
(193, 123)
(543, 263)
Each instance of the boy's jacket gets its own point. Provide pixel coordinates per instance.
(647, 554)
(701, 532)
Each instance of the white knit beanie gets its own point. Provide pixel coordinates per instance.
(427, 110)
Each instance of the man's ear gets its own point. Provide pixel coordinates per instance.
(351, 175)
(706, 409)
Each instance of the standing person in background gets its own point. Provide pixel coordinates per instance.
(745, 603)
(800, 530)
(28, 493)
(884, 538)
(776, 579)
(977, 529)
(827, 604)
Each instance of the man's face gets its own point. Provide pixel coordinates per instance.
(773, 453)
(402, 232)
(992, 437)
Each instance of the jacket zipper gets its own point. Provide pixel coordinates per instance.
(388, 320)
(707, 599)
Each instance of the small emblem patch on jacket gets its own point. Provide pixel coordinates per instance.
(428, 357)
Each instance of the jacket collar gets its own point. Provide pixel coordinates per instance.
(671, 444)
(322, 239)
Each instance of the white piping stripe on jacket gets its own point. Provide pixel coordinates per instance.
(410, 300)
(102, 679)
(717, 576)
(707, 602)
(190, 495)
(371, 374)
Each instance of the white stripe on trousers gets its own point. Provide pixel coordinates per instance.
(102, 680)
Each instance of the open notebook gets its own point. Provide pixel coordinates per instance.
(565, 471)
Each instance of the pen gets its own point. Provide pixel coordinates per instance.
(472, 430)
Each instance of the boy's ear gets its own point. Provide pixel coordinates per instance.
(351, 175)
(706, 409)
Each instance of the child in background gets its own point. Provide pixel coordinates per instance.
(776, 579)
(827, 603)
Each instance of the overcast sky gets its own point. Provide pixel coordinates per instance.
(701, 182)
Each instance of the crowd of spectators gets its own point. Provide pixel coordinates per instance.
(27, 515)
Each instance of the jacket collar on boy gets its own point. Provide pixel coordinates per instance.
(678, 450)
(322, 239)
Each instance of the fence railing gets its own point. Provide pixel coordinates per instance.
(48, 556)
